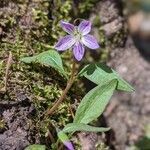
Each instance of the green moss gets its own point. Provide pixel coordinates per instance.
(2, 125)
(86, 6)
(102, 146)
(32, 28)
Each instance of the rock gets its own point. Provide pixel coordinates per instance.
(113, 27)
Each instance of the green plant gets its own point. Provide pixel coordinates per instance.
(95, 101)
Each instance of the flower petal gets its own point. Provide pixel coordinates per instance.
(68, 27)
(69, 145)
(78, 51)
(65, 43)
(90, 41)
(84, 27)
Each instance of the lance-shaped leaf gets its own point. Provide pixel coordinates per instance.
(73, 127)
(94, 102)
(36, 147)
(100, 74)
(49, 58)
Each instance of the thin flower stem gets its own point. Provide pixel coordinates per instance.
(62, 97)
(78, 19)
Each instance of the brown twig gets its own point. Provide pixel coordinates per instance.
(51, 137)
(60, 147)
(62, 97)
(9, 62)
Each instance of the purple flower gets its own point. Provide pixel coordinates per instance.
(77, 38)
(69, 145)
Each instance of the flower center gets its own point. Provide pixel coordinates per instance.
(77, 35)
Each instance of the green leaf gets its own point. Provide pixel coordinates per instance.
(28, 59)
(49, 58)
(94, 103)
(100, 74)
(36, 147)
(62, 136)
(73, 127)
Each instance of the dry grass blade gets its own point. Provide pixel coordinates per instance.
(9, 62)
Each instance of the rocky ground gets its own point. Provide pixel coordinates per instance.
(128, 113)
